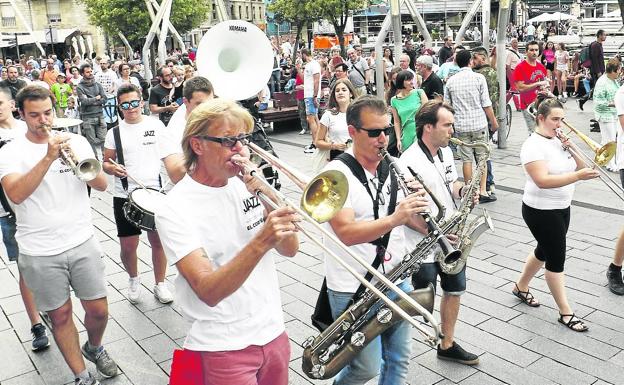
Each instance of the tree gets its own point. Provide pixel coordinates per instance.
(297, 12)
(133, 20)
(337, 13)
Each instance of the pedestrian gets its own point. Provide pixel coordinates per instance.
(405, 104)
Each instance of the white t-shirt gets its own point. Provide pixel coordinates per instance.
(619, 107)
(558, 161)
(311, 68)
(7, 135)
(170, 138)
(119, 82)
(338, 278)
(437, 176)
(140, 151)
(221, 220)
(107, 80)
(336, 124)
(57, 215)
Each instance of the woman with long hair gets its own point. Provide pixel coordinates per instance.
(562, 59)
(388, 63)
(551, 174)
(548, 59)
(333, 135)
(405, 104)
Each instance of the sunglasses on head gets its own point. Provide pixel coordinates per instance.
(130, 104)
(227, 141)
(375, 132)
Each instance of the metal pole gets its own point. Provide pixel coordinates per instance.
(51, 40)
(17, 47)
(503, 20)
(395, 11)
(379, 76)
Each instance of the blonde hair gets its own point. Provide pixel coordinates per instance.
(204, 117)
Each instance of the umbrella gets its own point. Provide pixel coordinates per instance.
(551, 17)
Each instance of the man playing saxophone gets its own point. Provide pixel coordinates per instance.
(367, 215)
(432, 159)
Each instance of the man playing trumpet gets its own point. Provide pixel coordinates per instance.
(57, 245)
(219, 236)
(365, 218)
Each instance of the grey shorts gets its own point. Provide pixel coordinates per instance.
(469, 154)
(50, 277)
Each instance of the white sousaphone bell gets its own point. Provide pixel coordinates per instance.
(237, 58)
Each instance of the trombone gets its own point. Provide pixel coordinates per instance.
(603, 154)
(322, 198)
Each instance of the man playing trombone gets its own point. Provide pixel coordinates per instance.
(432, 159)
(57, 246)
(219, 236)
(361, 224)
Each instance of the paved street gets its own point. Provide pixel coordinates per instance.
(516, 344)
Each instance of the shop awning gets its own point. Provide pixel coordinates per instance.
(40, 35)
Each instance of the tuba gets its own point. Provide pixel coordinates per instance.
(237, 58)
(456, 224)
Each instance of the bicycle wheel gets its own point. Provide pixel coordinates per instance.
(508, 120)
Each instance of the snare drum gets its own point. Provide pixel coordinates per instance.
(140, 208)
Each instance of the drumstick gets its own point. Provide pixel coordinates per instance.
(164, 186)
(128, 175)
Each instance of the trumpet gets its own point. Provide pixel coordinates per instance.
(85, 169)
(451, 254)
(323, 196)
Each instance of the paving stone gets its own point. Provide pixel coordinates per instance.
(470, 316)
(166, 366)
(481, 378)
(133, 321)
(169, 321)
(12, 304)
(560, 373)
(489, 307)
(300, 274)
(603, 370)
(420, 375)
(51, 364)
(618, 359)
(13, 359)
(446, 369)
(299, 310)
(299, 332)
(509, 373)
(8, 284)
(303, 293)
(136, 364)
(159, 347)
(30, 378)
(286, 298)
(507, 331)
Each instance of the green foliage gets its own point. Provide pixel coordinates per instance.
(337, 12)
(132, 18)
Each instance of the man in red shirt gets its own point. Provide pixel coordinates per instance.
(530, 79)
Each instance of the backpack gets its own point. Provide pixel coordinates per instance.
(584, 57)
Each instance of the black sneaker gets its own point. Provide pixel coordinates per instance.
(40, 339)
(458, 354)
(487, 198)
(581, 102)
(614, 278)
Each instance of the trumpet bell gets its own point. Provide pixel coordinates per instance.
(325, 195)
(237, 58)
(605, 153)
(88, 169)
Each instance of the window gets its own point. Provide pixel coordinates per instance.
(8, 15)
(54, 11)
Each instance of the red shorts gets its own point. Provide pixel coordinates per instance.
(254, 365)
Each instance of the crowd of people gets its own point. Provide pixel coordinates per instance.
(217, 225)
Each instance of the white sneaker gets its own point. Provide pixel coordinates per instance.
(303, 132)
(134, 289)
(162, 293)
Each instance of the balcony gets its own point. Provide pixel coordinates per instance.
(9, 21)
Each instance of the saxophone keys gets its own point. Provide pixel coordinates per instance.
(318, 371)
(384, 315)
(358, 339)
(308, 342)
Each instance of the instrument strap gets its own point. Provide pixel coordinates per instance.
(120, 157)
(383, 170)
(427, 153)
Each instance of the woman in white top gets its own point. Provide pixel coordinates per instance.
(561, 71)
(388, 63)
(333, 134)
(551, 173)
(125, 78)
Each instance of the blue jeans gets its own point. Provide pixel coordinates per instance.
(490, 175)
(8, 237)
(275, 81)
(389, 352)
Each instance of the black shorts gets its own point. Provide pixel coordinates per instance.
(550, 66)
(125, 228)
(549, 227)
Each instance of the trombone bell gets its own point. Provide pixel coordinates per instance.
(325, 195)
(605, 153)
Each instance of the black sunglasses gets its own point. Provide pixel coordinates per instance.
(227, 141)
(130, 104)
(375, 132)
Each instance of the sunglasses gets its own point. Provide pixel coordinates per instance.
(130, 104)
(227, 141)
(375, 132)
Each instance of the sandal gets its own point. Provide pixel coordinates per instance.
(572, 322)
(525, 296)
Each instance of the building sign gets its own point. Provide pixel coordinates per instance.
(548, 6)
(588, 3)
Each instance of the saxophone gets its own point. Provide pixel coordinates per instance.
(456, 224)
(325, 355)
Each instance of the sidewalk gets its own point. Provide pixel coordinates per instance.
(516, 344)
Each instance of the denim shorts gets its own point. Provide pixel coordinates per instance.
(8, 237)
(451, 284)
(311, 108)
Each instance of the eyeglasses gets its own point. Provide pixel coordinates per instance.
(227, 141)
(131, 104)
(375, 132)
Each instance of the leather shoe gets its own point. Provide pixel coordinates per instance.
(487, 198)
